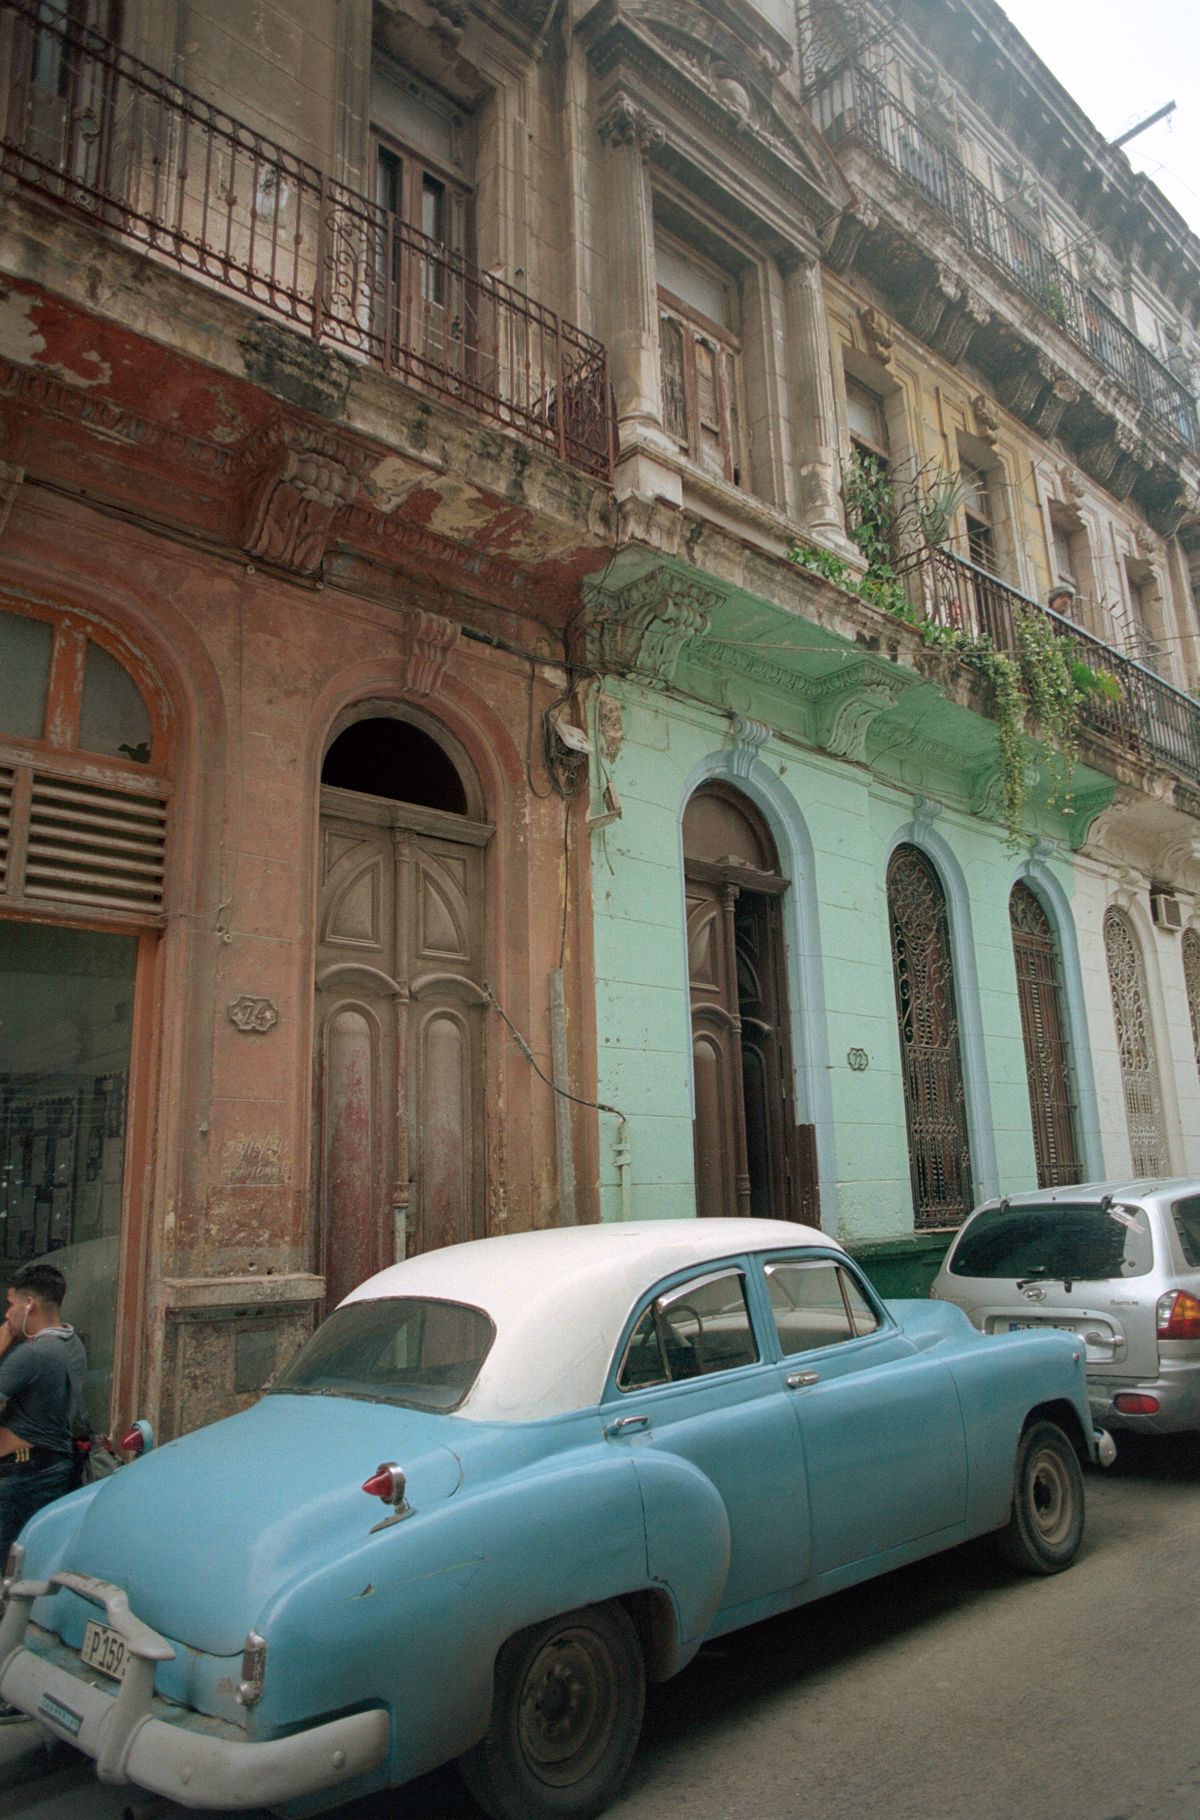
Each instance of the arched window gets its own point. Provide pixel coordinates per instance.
(1191, 980)
(1135, 1044)
(1043, 1027)
(930, 1054)
(83, 853)
(400, 1110)
(751, 1155)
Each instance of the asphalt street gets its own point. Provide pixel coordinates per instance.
(950, 1689)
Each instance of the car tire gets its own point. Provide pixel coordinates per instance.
(1045, 1526)
(566, 1713)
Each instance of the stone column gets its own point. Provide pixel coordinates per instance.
(815, 443)
(628, 135)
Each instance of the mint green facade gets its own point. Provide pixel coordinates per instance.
(836, 817)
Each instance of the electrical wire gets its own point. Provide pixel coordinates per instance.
(575, 1098)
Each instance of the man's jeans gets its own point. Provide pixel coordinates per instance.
(21, 1493)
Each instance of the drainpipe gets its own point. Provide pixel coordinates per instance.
(622, 1155)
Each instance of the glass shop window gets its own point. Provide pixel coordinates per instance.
(67, 997)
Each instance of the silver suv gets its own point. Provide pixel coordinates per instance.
(1117, 1263)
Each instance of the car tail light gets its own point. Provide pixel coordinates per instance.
(1135, 1403)
(1178, 1316)
(386, 1482)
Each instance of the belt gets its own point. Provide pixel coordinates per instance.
(31, 1459)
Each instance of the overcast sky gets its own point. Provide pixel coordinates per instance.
(1122, 60)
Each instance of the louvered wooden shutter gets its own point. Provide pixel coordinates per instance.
(88, 846)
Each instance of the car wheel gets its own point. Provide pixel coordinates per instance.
(566, 1713)
(1045, 1527)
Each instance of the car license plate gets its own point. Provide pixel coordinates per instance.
(1032, 1326)
(104, 1649)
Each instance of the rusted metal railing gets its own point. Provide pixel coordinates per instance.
(116, 142)
(1144, 712)
(854, 105)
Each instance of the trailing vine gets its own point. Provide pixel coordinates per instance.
(1045, 676)
(1045, 659)
(1008, 709)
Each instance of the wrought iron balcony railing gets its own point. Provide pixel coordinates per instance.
(854, 105)
(122, 146)
(1144, 713)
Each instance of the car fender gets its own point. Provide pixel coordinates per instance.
(416, 1617)
(1002, 1379)
(687, 1539)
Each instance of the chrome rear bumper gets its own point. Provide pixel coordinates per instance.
(128, 1744)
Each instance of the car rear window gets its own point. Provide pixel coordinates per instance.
(1078, 1244)
(421, 1353)
(1187, 1225)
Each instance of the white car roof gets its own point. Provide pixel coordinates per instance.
(560, 1298)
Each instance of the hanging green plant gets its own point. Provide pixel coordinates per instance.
(1008, 710)
(1046, 659)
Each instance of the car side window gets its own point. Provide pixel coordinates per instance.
(693, 1330)
(1187, 1225)
(817, 1303)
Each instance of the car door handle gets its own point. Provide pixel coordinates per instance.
(798, 1380)
(625, 1425)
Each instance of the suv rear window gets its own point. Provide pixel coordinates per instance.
(1059, 1243)
(420, 1354)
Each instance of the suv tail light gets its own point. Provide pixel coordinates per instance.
(1178, 1316)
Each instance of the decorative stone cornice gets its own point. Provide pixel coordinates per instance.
(115, 423)
(623, 122)
(645, 626)
(302, 476)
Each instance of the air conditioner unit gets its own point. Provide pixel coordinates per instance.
(1165, 911)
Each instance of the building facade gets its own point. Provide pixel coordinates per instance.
(598, 620)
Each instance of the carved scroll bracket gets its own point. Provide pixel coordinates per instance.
(302, 477)
(645, 626)
(425, 642)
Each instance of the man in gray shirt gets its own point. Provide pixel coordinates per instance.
(42, 1367)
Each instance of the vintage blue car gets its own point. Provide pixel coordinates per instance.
(585, 1452)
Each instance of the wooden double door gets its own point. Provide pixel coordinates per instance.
(399, 1028)
(752, 1155)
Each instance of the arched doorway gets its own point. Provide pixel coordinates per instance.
(399, 1026)
(751, 1155)
(1043, 1029)
(85, 762)
(930, 1053)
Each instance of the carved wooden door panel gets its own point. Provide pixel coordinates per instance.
(399, 1111)
(442, 940)
(722, 1184)
(1039, 990)
(359, 1037)
(773, 1164)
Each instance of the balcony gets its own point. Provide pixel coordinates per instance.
(853, 106)
(1147, 717)
(95, 132)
